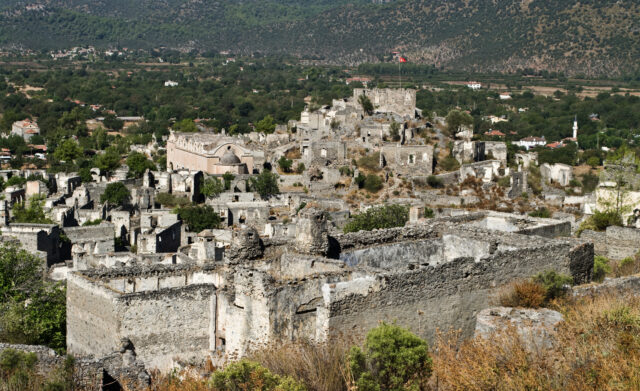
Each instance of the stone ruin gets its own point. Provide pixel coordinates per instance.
(436, 274)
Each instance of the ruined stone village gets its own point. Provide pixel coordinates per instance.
(280, 268)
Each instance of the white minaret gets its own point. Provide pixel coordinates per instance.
(575, 127)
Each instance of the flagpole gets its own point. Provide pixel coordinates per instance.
(399, 72)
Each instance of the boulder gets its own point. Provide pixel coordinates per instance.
(536, 327)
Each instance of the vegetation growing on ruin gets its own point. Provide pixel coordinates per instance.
(198, 217)
(115, 194)
(212, 187)
(138, 163)
(170, 200)
(600, 220)
(538, 291)
(265, 184)
(387, 216)
(31, 211)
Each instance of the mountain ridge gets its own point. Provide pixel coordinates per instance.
(590, 37)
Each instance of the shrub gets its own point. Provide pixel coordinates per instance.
(593, 161)
(249, 376)
(625, 267)
(300, 168)
(589, 183)
(388, 216)
(212, 187)
(542, 212)
(505, 181)
(601, 268)
(345, 171)
(227, 177)
(595, 347)
(138, 164)
(33, 212)
(370, 162)
(115, 194)
(89, 223)
(32, 311)
(599, 221)
(265, 184)
(553, 283)
(429, 213)
(170, 200)
(199, 218)
(15, 181)
(392, 358)
(319, 366)
(449, 163)
(534, 180)
(575, 183)
(373, 183)
(434, 181)
(525, 294)
(359, 180)
(285, 164)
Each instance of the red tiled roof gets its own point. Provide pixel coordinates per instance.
(534, 139)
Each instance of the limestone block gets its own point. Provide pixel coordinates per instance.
(536, 327)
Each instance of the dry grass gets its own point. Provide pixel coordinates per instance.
(321, 367)
(625, 267)
(596, 348)
(522, 293)
(179, 382)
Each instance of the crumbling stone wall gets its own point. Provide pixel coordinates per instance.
(400, 101)
(615, 243)
(448, 294)
(168, 313)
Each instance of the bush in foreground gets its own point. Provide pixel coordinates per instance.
(392, 358)
(250, 376)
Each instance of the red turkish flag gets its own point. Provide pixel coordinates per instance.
(402, 59)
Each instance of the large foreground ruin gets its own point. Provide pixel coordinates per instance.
(437, 274)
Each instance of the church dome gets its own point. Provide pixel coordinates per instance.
(229, 158)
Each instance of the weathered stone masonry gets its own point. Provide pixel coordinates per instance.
(438, 274)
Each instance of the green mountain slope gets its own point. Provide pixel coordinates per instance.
(590, 36)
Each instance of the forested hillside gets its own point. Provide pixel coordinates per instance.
(593, 37)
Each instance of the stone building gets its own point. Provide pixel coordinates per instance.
(557, 173)
(42, 239)
(213, 154)
(466, 151)
(400, 101)
(25, 129)
(333, 151)
(407, 159)
(94, 240)
(159, 232)
(314, 287)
